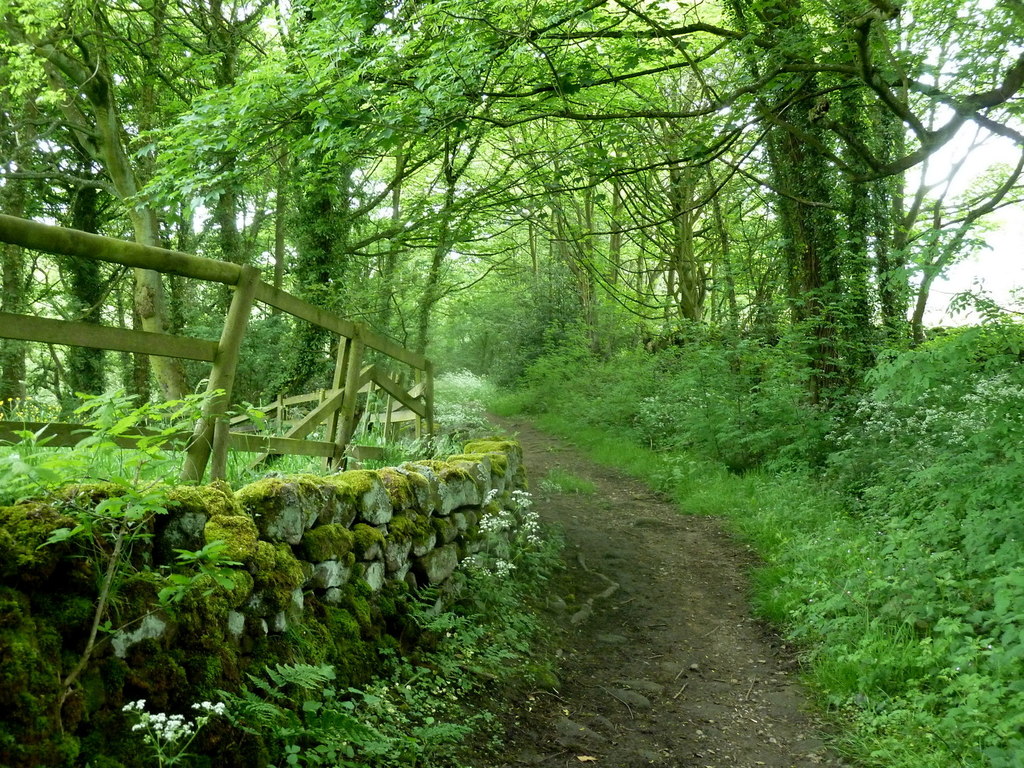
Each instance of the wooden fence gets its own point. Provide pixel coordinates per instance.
(336, 408)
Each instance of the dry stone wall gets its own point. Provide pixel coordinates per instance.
(307, 537)
(318, 571)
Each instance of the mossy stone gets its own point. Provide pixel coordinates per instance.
(398, 487)
(368, 541)
(445, 470)
(217, 498)
(24, 529)
(446, 530)
(436, 566)
(423, 491)
(276, 574)
(364, 489)
(457, 486)
(189, 507)
(509, 448)
(239, 534)
(284, 507)
(327, 542)
(30, 668)
(496, 462)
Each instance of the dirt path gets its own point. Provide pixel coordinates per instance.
(662, 662)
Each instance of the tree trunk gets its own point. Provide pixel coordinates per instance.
(14, 279)
(85, 370)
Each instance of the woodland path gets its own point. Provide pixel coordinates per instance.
(662, 662)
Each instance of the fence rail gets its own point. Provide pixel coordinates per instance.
(335, 411)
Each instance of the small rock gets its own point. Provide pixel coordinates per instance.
(632, 698)
(573, 734)
(374, 575)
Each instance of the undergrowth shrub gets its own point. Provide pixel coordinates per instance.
(460, 399)
(731, 400)
(932, 464)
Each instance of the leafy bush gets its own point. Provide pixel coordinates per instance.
(736, 402)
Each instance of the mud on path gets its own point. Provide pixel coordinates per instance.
(662, 662)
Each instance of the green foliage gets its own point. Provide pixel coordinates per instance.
(460, 399)
(736, 402)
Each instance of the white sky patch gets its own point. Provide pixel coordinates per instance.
(997, 270)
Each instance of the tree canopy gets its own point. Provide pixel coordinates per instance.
(478, 180)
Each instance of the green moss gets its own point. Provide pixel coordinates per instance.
(327, 542)
(402, 527)
(254, 497)
(24, 529)
(30, 670)
(419, 485)
(359, 607)
(213, 500)
(494, 445)
(239, 534)
(276, 574)
(416, 528)
(268, 495)
(399, 488)
(70, 614)
(202, 613)
(444, 528)
(365, 536)
(157, 675)
(446, 470)
(499, 461)
(355, 659)
(392, 600)
(342, 623)
(263, 558)
(87, 495)
(355, 482)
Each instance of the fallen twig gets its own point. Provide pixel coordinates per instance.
(623, 703)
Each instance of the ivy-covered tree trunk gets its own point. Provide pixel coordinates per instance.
(14, 279)
(812, 246)
(321, 232)
(85, 371)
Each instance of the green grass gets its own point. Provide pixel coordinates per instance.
(560, 480)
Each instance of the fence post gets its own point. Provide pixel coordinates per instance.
(207, 437)
(340, 366)
(387, 418)
(428, 395)
(348, 404)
